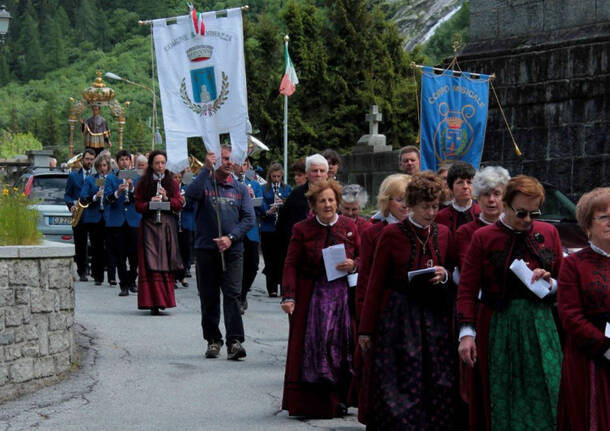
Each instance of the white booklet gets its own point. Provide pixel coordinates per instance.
(540, 287)
(333, 256)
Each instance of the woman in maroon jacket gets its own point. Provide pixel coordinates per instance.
(584, 307)
(517, 352)
(158, 254)
(409, 322)
(320, 343)
(392, 208)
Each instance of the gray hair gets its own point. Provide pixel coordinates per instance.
(355, 193)
(316, 159)
(488, 179)
(141, 158)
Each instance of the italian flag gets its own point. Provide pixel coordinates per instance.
(289, 80)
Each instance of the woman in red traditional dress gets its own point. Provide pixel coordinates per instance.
(584, 307)
(488, 187)
(353, 199)
(517, 354)
(158, 253)
(391, 208)
(462, 209)
(409, 322)
(320, 343)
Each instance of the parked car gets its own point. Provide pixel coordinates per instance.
(560, 211)
(46, 188)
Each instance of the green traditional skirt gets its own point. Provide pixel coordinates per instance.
(524, 367)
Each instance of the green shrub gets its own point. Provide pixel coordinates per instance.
(18, 221)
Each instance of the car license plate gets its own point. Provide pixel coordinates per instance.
(55, 220)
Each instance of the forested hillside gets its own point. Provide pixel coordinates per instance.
(346, 52)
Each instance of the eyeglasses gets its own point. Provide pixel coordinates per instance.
(524, 213)
(602, 218)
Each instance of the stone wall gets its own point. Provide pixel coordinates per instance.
(36, 317)
(552, 66)
(551, 59)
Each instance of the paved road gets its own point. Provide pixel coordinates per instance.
(145, 372)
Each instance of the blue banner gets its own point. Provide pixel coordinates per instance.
(453, 117)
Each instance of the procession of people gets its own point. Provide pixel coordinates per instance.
(424, 323)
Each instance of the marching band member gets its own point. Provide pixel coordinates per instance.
(74, 185)
(120, 221)
(92, 193)
(274, 195)
(158, 255)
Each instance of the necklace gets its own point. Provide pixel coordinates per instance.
(423, 243)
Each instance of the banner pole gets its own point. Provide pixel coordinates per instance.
(286, 127)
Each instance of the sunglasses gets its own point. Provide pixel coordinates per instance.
(524, 213)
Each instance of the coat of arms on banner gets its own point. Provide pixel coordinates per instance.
(206, 100)
(454, 135)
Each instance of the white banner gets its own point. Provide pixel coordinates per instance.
(202, 81)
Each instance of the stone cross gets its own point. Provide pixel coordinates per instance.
(374, 118)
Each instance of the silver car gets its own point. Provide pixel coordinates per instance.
(46, 188)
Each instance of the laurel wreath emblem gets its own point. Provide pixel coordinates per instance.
(206, 108)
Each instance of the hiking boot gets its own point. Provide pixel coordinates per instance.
(236, 351)
(213, 350)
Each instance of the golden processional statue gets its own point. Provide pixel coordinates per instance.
(96, 134)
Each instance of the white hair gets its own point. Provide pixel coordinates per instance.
(354, 193)
(316, 159)
(488, 179)
(141, 158)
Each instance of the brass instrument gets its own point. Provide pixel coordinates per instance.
(74, 163)
(78, 213)
(195, 164)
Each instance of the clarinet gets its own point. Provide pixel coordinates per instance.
(126, 193)
(182, 192)
(102, 199)
(158, 212)
(277, 196)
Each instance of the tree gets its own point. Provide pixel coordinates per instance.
(54, 46)
(29, 52)
(86, 25)
(12, 145)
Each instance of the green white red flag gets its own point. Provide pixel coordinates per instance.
(289, 80)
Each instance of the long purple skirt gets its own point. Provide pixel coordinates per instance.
(327, 353)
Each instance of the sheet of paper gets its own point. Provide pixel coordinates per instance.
(333, 256)
(412, 274)
(456, 275)
(540, 287)
(607, 330)
(352, 280)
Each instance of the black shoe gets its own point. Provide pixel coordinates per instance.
(272, 294)
(184, 283)
(82, 277)
(236, 351)
(154, 311)
(133, 288)
(187, 273)
(112, 282)
(213, 350)
(124, 291)
(98, 282)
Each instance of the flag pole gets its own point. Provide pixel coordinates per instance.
(286, 39)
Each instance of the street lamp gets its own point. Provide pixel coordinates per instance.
(5, 18)
(156, 134)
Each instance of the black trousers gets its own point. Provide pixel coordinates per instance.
(117, 248)
(211, 280)
(132, 254)
(80, 248)
(185, 240)
(272, 254)
(251, 258)
(96, 232)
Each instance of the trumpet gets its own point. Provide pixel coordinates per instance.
(78, 212)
